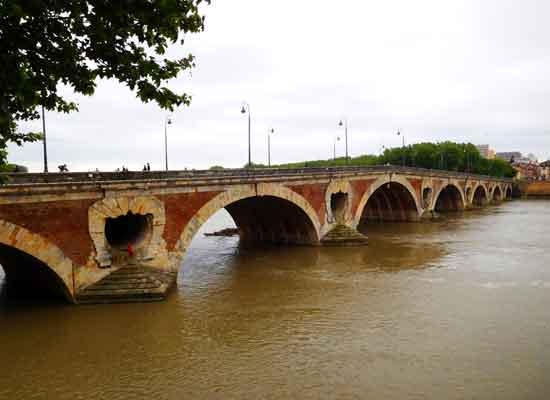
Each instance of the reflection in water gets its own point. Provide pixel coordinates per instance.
(453, 308)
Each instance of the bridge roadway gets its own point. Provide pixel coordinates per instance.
(122, 236)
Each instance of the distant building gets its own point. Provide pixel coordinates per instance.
(486, 151)
(528, 170)
(545, 170)
(509, 155)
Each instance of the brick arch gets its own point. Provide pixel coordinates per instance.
(474, 190)
(35, 245)
(499, 191)
(443, 187)
(508, 189)
(231, 196)
(376, 185)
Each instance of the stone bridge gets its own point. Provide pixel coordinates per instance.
(97, 237)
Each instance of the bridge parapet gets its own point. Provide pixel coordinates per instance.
(245, 174)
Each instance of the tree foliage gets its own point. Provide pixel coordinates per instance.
(447, 156)
(47, 42)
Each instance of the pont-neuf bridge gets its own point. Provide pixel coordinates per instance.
(101, 237)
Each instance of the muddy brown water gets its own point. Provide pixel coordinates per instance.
(453, 309)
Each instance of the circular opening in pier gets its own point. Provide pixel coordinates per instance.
(338, 206)
(426, 197)
(130, 229)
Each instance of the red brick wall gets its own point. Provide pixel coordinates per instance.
(417, 185)
(315, 194)
(359, 189)
(180, 208)
(64, 223)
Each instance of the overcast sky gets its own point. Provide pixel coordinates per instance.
(463, 70)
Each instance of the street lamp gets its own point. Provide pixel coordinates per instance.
(167, 121)
(269, 133)
(345, 125)
(466, 160)
(403, 148)
(246, 108)
(44, 141)
(337, 138)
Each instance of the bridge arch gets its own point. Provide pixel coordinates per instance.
(450, 197)
(21, 246)
(389, 198)
(497, 193)
(509, 192)
(480, 196)
(240, 201)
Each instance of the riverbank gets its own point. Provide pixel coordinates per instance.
(538, 189)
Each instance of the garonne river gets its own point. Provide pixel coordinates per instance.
(455, 308)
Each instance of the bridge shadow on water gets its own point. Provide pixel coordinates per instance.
(14, 298)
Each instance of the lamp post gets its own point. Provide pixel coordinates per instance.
(246, 109)
(403, 148)
(337, 138)
(269, 133)
(167, 121)
(44, 141)
(345, 125)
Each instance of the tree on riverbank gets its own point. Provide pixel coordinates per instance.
(74, 42)
(447, 156)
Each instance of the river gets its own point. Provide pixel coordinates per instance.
(451, 309)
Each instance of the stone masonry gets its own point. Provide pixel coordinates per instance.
(73, 225)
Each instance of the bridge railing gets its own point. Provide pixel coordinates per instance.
(95, 176)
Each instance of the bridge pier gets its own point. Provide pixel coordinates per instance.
(343, 235)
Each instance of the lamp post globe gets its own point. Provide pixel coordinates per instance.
(269, 133)
(167, 121)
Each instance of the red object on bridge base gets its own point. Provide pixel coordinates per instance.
(130, 250)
